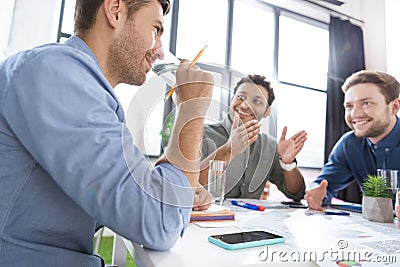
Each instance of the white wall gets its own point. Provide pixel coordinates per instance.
(6, 16)
(373, 12)
(392, 37)
(32, 23)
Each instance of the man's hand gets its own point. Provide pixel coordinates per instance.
(288, 149)
(242, 135)
(194, 86)
(193, 97)
(202, 199)
(316, 195)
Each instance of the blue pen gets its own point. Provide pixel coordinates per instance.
(246, 205)
(329, 212)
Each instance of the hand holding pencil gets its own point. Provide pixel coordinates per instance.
(170, 92)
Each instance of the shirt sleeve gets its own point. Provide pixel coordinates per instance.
(278, 179)
(67, 118)
(336, 171)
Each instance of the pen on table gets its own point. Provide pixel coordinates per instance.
(326, 212)
(170, 92)
(343, 213)
(247, 205)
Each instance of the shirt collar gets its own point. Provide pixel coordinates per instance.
(76, 42)
(390, 140)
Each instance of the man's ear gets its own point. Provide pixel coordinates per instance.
(267, 112)
(112, 10)
(396, 106)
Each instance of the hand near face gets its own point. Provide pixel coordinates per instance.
(202, 199)
(242, 135)
(316, 195)
(193, 84)
(288, 149)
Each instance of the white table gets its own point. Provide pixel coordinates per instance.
(317, 237)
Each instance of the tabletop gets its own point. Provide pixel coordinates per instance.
(312, 239)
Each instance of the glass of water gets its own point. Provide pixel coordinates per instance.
(392, 179)
(165, 66)
(217, 180)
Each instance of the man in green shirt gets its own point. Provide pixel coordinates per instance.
(253, 158)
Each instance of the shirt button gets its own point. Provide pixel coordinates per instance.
(387, 149)
(375, 147)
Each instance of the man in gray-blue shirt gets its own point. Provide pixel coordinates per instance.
(67, 161)
(371, 103)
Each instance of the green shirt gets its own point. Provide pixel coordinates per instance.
(248, 172)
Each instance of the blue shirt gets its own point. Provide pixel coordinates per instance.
(353, 158)
(68, 164)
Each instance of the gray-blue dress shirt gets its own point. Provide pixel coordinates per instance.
(68, 164)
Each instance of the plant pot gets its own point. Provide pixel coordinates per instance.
(377, 209)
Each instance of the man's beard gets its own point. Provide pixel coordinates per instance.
(125, 60)
(377, 128)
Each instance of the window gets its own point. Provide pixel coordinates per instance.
(301, 95)
(67, 22)
(252, 40)
(303, 53)
(200, 25)
(303, 109)
(253, 37)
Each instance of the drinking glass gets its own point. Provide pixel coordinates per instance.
(397, 204)
(392, 179)
(165, 67)
(217, 180)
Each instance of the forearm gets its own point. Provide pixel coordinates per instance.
(184, 148)
(294, 181)
(223, 153)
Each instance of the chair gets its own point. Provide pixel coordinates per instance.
(119, 252)
(351, 193)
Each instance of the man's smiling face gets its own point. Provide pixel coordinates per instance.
(250, 102)
(366, 111)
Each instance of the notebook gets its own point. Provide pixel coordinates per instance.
(213, 213)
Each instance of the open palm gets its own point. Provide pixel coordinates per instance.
(288, 149)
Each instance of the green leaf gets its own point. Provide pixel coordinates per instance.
(376, 186)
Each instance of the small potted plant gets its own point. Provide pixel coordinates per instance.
(377, 200)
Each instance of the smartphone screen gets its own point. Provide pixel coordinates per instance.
(246, 239)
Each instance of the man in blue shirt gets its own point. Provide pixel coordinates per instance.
(67, 161)
(371, 105)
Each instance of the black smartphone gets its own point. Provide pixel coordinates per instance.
(294, 204)
(245, 239)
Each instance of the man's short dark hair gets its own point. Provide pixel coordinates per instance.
(86, 11)
(259, 80)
